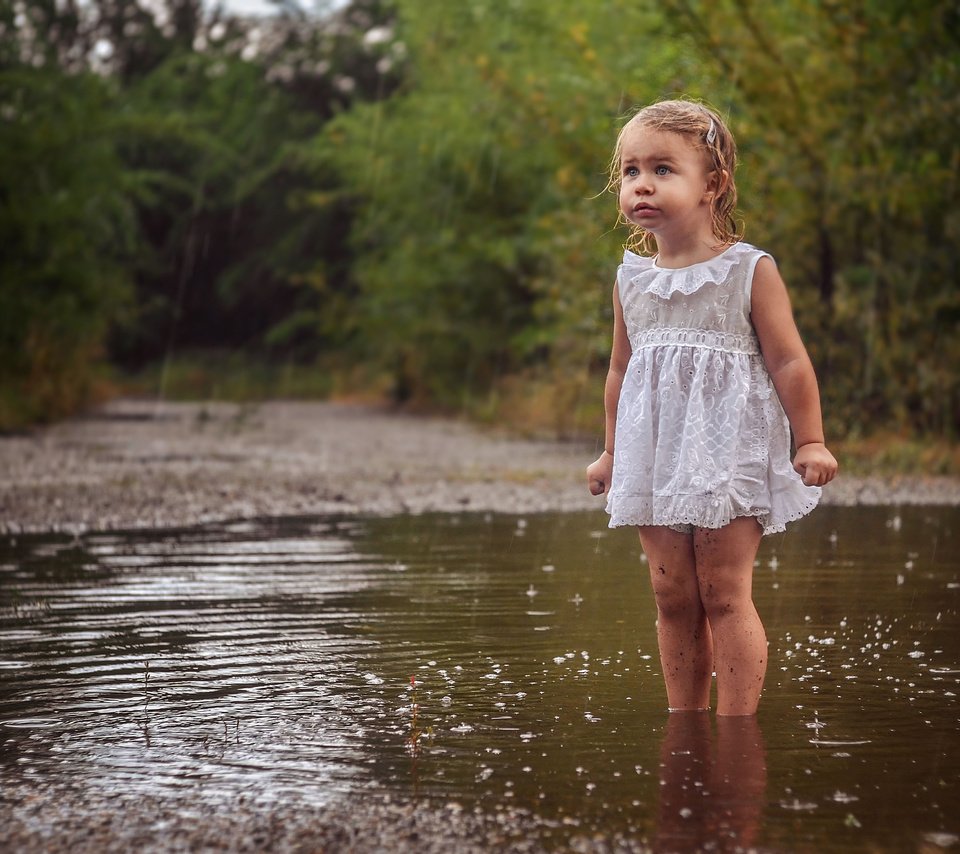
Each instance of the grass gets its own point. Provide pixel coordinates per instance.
(889, 453)
(228, 376)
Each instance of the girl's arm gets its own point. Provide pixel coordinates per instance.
(792, 373)
(599, 473)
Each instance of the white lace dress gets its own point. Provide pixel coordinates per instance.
(701, 436)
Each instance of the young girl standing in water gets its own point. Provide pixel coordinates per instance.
(707, 377)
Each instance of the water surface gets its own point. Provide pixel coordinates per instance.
(491, 662)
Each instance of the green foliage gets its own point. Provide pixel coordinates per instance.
(847, 115)
(478, 245)
(484, 251)
(168, 129)
(67, 232)
(216, 147)
(416, 189)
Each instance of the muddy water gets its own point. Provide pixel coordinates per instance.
(488, 663)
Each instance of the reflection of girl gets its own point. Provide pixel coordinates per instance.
(707, 366)
(711, 794)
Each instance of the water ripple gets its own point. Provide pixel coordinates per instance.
(482, 661)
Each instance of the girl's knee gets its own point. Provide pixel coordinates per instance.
(675, 598)
(716, 602)
(722, 596)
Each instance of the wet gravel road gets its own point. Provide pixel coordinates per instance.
(137, 463)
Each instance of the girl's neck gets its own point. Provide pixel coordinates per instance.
(682, 252)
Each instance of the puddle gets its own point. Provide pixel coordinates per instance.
(491, 662)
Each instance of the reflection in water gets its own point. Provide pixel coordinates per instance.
(271, 662)
(712, 786)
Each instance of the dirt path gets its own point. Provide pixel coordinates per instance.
(138, 463)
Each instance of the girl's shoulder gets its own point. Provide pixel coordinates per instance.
(642, 271)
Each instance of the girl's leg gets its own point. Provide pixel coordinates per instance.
(686, 650)
(724, 561)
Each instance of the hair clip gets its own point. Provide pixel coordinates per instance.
(712, 132)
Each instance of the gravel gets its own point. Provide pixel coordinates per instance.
(147, 464)
(57, 821)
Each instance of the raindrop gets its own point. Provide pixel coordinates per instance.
(798, 806)
(944, 840)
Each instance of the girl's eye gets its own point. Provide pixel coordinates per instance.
(662, 170)
(631, 171)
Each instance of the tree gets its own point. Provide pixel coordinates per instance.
(179, 131)
(479, 236)
(847, 116)
(68, 231)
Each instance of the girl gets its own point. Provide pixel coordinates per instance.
(706, 369)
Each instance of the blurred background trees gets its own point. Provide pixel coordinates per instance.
(407, 198)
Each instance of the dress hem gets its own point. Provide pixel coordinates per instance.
(709, 511)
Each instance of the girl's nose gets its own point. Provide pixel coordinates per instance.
(643, 185)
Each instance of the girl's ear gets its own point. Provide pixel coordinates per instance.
(717, 182)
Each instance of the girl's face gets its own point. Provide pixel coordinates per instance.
(666, 186)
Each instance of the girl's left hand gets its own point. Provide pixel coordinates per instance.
(815, 464)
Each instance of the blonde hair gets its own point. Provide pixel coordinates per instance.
(704, 128)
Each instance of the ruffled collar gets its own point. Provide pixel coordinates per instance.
(644, 273)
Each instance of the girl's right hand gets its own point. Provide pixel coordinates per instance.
(600, 473)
